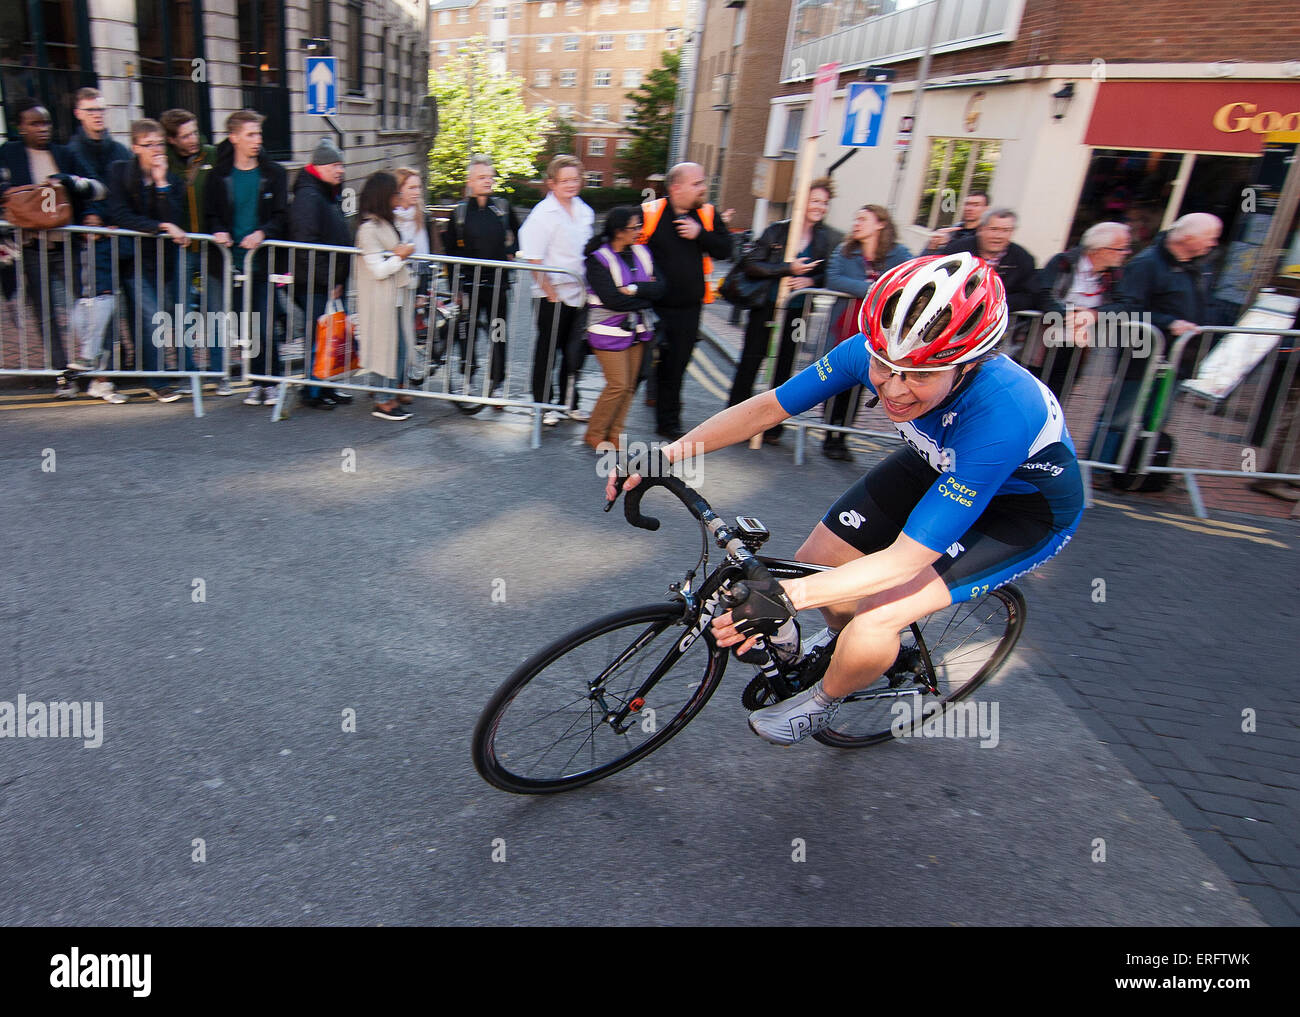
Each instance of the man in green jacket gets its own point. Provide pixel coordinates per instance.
(192, 161)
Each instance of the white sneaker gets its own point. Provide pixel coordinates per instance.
(550, 418)
(223, 387)
(101, 389)
(796, 718)
(254, 397)
(582, 416)
(270, 394)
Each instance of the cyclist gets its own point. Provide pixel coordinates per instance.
(986, 487)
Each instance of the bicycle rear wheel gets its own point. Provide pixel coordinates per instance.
(959, 648)
(545, 728)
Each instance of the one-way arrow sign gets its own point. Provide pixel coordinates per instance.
(322, 86)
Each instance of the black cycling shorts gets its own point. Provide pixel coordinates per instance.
(1014, 534)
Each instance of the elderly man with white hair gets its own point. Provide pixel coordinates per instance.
(1072, 285)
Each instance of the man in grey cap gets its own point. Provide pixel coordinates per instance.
(316, 217)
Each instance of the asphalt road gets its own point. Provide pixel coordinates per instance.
(407, 591)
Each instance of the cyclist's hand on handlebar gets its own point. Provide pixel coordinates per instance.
(612, 488)
(655, 463)
(758, 607)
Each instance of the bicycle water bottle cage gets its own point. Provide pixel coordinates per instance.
(753, 534)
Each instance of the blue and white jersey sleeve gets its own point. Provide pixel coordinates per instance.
(842, 368)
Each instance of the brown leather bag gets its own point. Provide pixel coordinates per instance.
(38, 206)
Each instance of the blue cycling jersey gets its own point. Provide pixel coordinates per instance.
(1001, 432)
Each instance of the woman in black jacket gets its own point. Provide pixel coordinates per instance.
(766, 260)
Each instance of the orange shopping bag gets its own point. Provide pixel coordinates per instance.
(336, 348)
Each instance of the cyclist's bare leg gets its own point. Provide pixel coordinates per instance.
(869, 643)
(824, 548)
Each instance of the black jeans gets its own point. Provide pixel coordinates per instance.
(678, 331)
(484, 307)
(757, 332)
(560, 339)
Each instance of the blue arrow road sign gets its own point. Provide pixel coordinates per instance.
(864, 109)
(322, 86)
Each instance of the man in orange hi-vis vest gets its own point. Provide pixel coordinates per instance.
(684, 236)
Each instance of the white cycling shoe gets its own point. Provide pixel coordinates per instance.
(796, 718)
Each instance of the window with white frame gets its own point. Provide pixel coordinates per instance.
(500, 12)
(483, 13)
(444, 18)
(608, 6)
(498, 46)
(444, 49)
(543, 44)
(571, 43)
(595, 146)
(639, 6)
(672, 41)
(594, 178)
(622, 181)
(564, 109)
(622, 145)
(604, 43)
(541, 107)
(636, 41)
(547, 10)
(462, 16)
(601, 78)
(632, 77)
(957, 166)
(628, 114)
(568, 77)
(541, 78)
(514, 45)
(600, 111)
(517, 11)
(573, 7)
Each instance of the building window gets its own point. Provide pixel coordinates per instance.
(957, 165)
(542, 107)
(632, 77)
(571, 43)
(628, 114)
(564, 110)
(636, 41)
(604, 43)
(462, 16)
(568, 78)
(672, 41)
(262, 73)
(622, 181)
(573, 7)
(608, 6)
(514, 45)
(639, 6)
(444, 18)
(674, 5)
(483, 13)
(517, 11)
(793, 129)
(543, 44)
(595, 146)
(601, 79)
(547, 11)
(600, 111)
(444, 49)
(356, 49)
(498, 45)
(622, 145)
(594, 178)
(541, 78)
(500, 12)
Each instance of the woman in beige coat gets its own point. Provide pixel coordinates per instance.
(385, 294)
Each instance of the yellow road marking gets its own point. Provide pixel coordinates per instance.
(708, 364)
(699, 376)
(1198, 526)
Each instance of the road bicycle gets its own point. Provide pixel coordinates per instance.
(608, 694)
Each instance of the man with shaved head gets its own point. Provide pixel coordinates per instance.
(683, 234)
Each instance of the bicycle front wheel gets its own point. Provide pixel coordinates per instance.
(957, 649)
(547, 728)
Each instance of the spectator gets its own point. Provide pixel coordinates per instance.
(766, 260)
(684, 236)
(192, 160)
(416, 229)
(486, 227)
(385, 294)
(1278, 406)
(316, 217)
(32, 159)
(872, 249)
(245, 201)
(1015, 265)
(1072, 286)
(143, 195)
(555, 233)
(622, 288)
(97, 151)
(975, 205)
(1167, 282)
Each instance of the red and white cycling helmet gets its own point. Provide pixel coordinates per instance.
(936, 311)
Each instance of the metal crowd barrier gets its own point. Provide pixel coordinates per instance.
(72, 310)
(474, 341)
(1230, 414)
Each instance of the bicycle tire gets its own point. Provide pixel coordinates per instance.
(866, 718)
(508, 740)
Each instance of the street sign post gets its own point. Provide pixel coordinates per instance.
(864, 109)
(322, 86)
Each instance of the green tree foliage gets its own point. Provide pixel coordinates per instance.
(653, 101)
(481, 112)
(563, 140)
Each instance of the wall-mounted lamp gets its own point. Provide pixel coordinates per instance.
(1061, 100)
